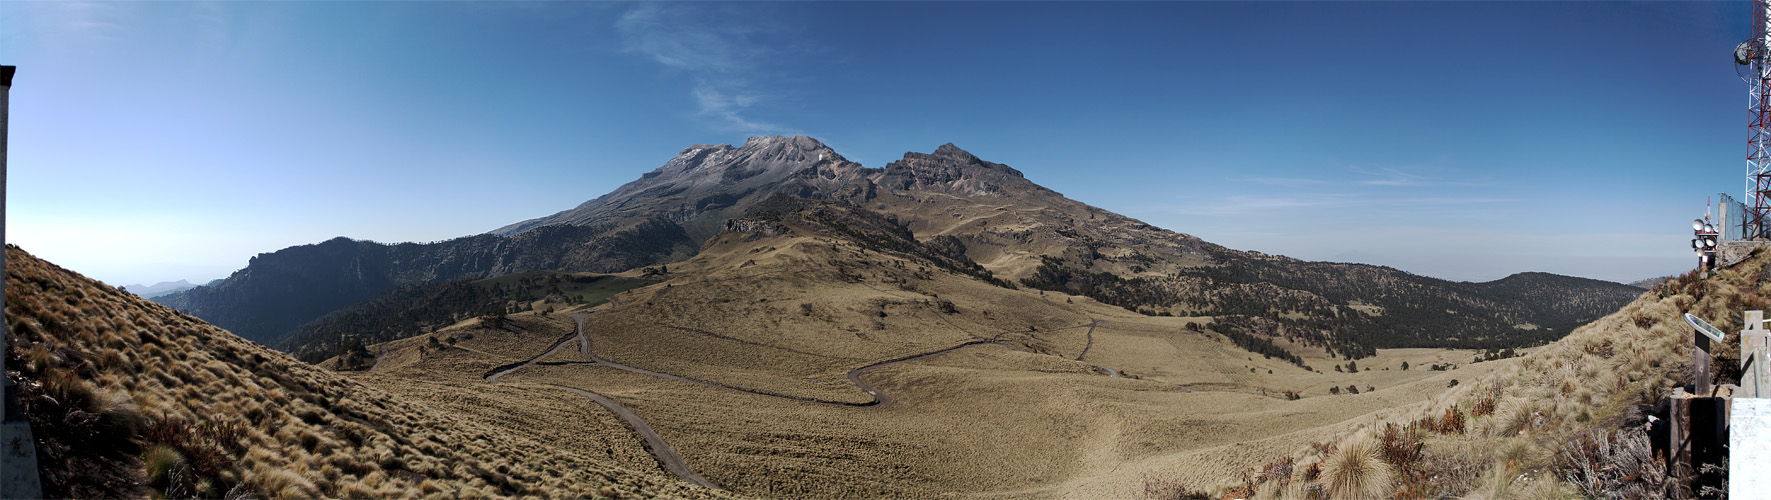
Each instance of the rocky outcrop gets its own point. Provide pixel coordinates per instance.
(755, 227)
(952, 170)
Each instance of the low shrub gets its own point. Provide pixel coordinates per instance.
(1160, 488)
(1614, 465)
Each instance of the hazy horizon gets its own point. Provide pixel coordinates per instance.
(1467, 141)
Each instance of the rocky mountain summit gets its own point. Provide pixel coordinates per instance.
(704, 184)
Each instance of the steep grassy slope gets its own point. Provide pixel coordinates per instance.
(129, 399)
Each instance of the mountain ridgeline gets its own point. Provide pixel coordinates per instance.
(279, 292)
(965, 215)
(1350, 309)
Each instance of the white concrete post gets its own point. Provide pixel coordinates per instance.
(1755, 379)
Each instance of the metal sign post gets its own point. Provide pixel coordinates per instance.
(1706, 333)
(1705, 417)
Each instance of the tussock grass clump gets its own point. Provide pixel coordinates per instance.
(1354, 470)
(161, 462)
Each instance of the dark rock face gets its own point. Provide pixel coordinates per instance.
(286, 288)
(755, 227)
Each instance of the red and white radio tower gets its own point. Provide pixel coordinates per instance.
(1753, 63)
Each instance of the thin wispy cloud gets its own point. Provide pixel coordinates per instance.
(722, 56)
(1394, 177)
(1381, 177)
(1238, 205)
(99, 19)
(76, 21)
(728, 108)
(1286, 181)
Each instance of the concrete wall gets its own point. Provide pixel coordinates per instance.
(1749, 449)
(1732, 252)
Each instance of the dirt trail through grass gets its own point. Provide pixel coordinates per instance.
(879, 398)
(667, 455)
(1092, 323)
(379, 357)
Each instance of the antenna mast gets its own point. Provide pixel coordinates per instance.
(1753, 64)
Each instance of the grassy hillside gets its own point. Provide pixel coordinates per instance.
(744, 359)
(1565, 420)
(132, 399)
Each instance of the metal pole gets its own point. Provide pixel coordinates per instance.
(18, 450)
(1702, 384)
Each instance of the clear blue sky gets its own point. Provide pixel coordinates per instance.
(163, 140)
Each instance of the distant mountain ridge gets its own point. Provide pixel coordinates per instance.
(1350, 309)
(988, 213)
(1651, 282)
(161, 288)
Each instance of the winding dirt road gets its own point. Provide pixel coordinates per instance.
(666, 455)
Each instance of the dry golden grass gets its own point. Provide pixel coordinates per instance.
(792, 315)
(987, 420)
(207, 414)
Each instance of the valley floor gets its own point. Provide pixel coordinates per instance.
(1023, 418)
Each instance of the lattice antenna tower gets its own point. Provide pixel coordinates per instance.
(1753, 63)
